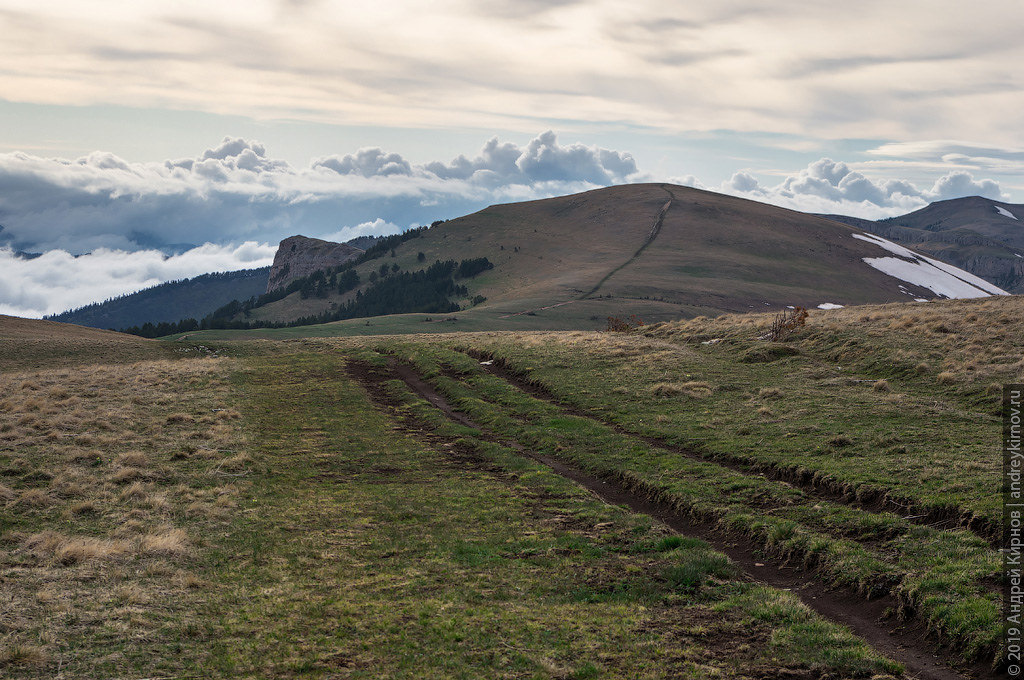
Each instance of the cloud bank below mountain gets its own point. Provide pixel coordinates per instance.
(57, 280)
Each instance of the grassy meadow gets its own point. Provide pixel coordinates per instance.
(293, 508)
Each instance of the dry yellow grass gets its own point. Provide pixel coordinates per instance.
(691, 388)
(978, 340)
(169, 541)
(102, 510)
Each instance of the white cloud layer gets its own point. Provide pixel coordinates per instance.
(236, 192)
(828, 186)
(57, 280)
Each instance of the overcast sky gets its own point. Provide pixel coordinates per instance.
(167, 139)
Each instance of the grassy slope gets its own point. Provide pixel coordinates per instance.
(974, 213)
(896, 401)
(713, 254)
(30, 343)
(147, 532)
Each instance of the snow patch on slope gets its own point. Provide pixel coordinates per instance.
(1005, 213)
(943, 279)
(830, 305)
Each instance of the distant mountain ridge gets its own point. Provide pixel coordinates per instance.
(665, 250)
(979, 235)
(172, 301)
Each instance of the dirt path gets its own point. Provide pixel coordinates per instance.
(906, 644)
(537, 309)
(941, 519)
(655, 230)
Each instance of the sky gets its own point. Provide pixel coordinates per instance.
(145, 141)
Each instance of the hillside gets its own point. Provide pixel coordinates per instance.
(35, 343)
(979, 235)
(656, 250)
(172, 301)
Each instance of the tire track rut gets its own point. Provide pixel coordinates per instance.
(903, 643)
(825, 488)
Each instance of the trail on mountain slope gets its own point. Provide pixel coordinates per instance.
(655, 230)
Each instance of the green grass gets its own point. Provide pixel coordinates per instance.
(946, 576)
(328, 535)
(389, 558)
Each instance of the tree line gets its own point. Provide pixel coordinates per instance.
(390, 291)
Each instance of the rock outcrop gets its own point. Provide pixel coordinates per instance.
(299, 256)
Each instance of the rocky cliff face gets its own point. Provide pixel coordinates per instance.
(299, 256)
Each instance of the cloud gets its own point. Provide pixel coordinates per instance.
(950, 154)
(57, 280)
(733, 64)
(367, 163)
(828, 186)
(235, 192)
(376, 228)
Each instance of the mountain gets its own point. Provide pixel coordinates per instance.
(188, 298)
(979, 235)
(299, 256)
(657, 250)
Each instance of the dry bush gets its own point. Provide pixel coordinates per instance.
(7, 494)
(176, 418)
(946, 378)
(765, 411)
(785, 323)
(617, 325)
(769, 393)
(921, 368)
(881, 385)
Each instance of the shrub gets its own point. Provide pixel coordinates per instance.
(784, 323)
(617, 325)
